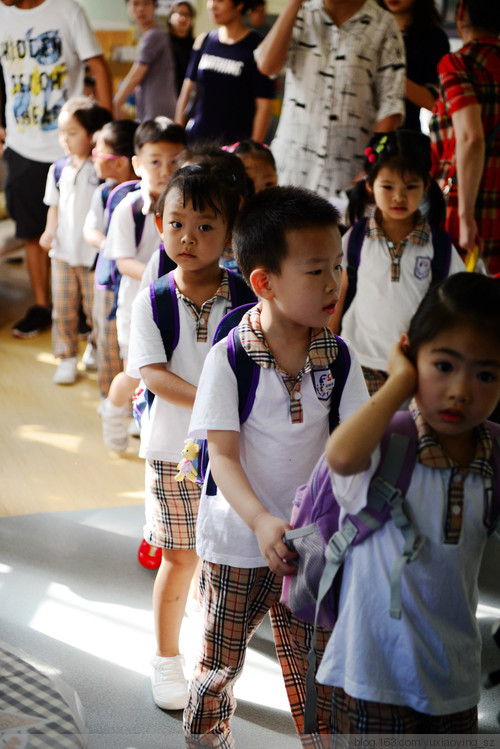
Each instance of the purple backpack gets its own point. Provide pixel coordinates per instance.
(312, 594)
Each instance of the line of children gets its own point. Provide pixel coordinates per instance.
(157, 144)
(421, 673)
(195, 214)
(112, 154)
(397, 253)
(288, 247)
(71, 184)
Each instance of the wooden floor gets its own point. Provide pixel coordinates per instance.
(51, 448)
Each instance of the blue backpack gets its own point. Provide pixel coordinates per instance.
(440, 263)
(313, 593)
(165, 306)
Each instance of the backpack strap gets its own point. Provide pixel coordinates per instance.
(165, 264)
(59, 165)
(440, 265)
(339, 369)
(138, 216)
(165, 308)
(491, 517)
(354, 245)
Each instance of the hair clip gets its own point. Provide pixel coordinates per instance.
(370, 155)
(231, 149)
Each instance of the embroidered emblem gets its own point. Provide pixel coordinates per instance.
(323, 383)
(422, 267)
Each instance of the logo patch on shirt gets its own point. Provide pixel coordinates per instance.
(422, 267)
(323, 383)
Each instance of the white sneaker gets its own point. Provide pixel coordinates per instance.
(66, 372)
(169, 684)
(89, 358)
(114, 426)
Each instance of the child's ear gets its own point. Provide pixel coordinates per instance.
(136, 165)
(368, 188)
(260, 282)
(159, 224)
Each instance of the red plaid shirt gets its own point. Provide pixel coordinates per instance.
(467, 77)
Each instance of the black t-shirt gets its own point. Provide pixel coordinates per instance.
(181, 48)
(228, 82)
(423, 52)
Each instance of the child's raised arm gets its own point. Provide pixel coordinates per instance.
(351, 444)
(224, 451)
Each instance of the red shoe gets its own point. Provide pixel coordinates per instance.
(149, 556)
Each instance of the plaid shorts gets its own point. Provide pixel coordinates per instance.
(374, 379)
(171, 507)
(109, 363)
(70, 284)
(354, 716)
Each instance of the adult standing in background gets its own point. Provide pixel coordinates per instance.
(233, 100)
(345, 79)
(180, 26)
(462, 124)
(152, 76)
(425, 43)
(44, 47)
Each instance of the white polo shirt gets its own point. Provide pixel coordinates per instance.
(382, 309)
(72, 198)
(277, 456)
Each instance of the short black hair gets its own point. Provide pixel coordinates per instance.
(202, 152)
(88, 112)
(206, 184)
(461, 299)
(119, 136)
(159, 130)
(484, 14)
(259, 235)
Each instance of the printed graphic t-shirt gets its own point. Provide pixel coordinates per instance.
(228, 82)
(42, 52)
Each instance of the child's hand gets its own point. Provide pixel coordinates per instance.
(269, 531)
(400, 366)
(46, 240)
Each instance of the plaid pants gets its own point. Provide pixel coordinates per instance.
(235, 601)
(374, 379)
(109, 362)
(354, 716)
(70, 284)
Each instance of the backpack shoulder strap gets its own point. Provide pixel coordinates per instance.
(492, 494)
(246, 371)
(165, 307)
(354, 245)
(339, 369)
(440, 265)
(59, 165)
(117, 194)
(165, 264)
(106, 191)
(229, 321)
(138, 215)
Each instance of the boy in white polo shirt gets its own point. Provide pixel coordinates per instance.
(288, 247)
(157, 144)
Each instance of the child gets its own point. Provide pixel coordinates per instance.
(397, 254)
(194, 216)
(157, 144)
(152, 76)
(421, 673)
(70, 186)
(258, 161)
(112, 155)
(288, 247)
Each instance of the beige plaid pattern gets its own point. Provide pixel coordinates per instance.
(171, 507)
(109, 363)
(323, 350)
(430, 453)
(201, 315)
(70, 284)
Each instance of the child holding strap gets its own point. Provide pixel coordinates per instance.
(397, 254)
(288, 247)
(421, 673)
(112, 155)
(68, 193)
(195, 214)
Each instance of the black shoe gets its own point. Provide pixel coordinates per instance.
(36, 319)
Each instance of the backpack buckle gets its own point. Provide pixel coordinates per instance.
(413, 553)
(340, 541)
(386, 491)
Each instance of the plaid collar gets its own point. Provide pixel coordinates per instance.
(201, 316)
(223, 291)
(322, 349)
(431, 454)
(419, 235)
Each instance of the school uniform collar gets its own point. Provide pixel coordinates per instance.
(419, 235)
(224, 291)
(431, 454)
(323, 347)
(202, 315)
